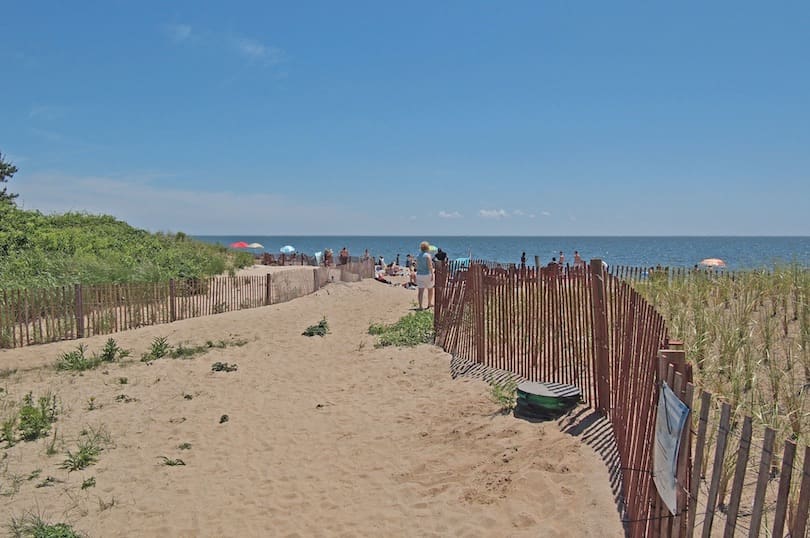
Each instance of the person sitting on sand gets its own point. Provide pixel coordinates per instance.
(424, 274)
(441, 256)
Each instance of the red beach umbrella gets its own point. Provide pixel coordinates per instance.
(239, 244)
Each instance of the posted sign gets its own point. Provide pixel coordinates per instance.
(670, 421)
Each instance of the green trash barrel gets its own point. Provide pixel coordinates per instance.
(545, 401)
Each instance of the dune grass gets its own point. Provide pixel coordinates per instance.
(413, 329)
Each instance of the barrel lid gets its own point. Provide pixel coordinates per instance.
(550, 390)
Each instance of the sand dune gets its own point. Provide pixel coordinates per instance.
(325, 437)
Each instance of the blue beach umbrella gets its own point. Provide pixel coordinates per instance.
(287, 249)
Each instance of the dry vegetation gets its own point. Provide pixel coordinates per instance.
(748, 336)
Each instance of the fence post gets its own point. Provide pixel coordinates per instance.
(268, 285)
(79, 311)
(172, 311)
(600, 337)
(478, 297)
(316, 280)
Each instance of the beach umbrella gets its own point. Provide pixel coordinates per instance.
(240, 244)
(712, 262)
(287, 249)
(255, 245)
(433, 249)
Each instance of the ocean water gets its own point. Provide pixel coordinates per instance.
(737, 252)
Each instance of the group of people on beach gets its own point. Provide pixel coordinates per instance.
(558, 264)
(420, 270)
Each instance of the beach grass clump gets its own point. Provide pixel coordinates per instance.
(411, 330)
(77, 360)
(90, 445)
(504, 394)
(157, 350)
(748, 335)
(31, 525)
(321, 329)
(32, 421)
(161, 348)
(112, 352)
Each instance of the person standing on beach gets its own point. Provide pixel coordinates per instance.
(343, 256)
(424, 274)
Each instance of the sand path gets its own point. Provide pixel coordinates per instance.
(326, 437)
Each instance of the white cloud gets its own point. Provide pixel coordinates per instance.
(493, 213)
(46, 112)
(178, 32)
(518, 213)
(257, 51)
(147, 201)
(450, 214)
(546, 213)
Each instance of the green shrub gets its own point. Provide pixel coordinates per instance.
(413, 329)
(112, 353)
(160, 348)
(321, 329)
(76, 360)
(39, 250)
(36, 419)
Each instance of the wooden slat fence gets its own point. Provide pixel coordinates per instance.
(532, 323)
(36, 316)
(590, 328)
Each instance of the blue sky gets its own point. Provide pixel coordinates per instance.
(443, 118)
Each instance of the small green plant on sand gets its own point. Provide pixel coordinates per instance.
(36, 418)
(413, 329)
(184, 446)
(76, 360)
(90, 445)
(89, 482)
(7, 429)
(223, 367)
(172, 462)
(504, 394)
(112, 353)
(160, 348)
(33, 526)
(321, 329)
(50, 450)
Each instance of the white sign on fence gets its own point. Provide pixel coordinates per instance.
(670, 421)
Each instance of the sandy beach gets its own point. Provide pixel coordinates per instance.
(325, 436)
